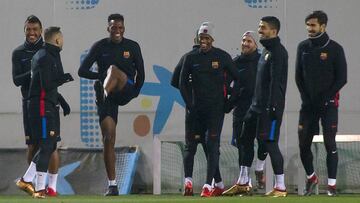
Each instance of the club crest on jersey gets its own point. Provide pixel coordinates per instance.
(126, 54)
(215, 64)
(323, 56)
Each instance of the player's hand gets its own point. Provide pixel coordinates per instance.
(64, 105)
(65, 78)
(66, 108)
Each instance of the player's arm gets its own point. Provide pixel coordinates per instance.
(19, 77)
(64, 105)
(242, 85)
(299, 76)
(232, 75)
(84, 70)
(340, 74)
(176, 75)
(231, 69)
(140, 72)
(276, 65)
(184, 83)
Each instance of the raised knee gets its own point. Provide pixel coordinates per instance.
(110, 69)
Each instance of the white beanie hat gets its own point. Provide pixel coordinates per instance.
(253, 35)
(207, 28)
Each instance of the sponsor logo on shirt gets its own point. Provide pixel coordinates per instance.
(126, 54)
(215, 64)
(323, 56)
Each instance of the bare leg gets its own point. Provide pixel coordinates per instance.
(115, 80)
(54, 162)
(108, 129)
(31, 152)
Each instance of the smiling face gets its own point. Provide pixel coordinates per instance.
(314, 28)
(205, 42)
(248, 45)
(32, 32)
(116, 30)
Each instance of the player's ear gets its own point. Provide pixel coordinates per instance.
(57, 40)
(108, 28)
(323, 27)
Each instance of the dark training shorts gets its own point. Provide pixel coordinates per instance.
(268, 130)
(43, 127)
(114, 100)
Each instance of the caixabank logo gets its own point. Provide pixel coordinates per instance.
(261, 3)
(81, 4)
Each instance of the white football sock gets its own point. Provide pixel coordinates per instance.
(244, 175)
(112, 183)
(188, 179)
(331, 181)
(30, 173)
(250, 184)
(220, 185)
(52, 181)
(280, 182)
(259, 165)
(40, 181)
(207, 186)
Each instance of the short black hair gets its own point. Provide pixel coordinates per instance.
(50, 32)
(33, 19)
(319, 15)
(273, 21)
(115, 16)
